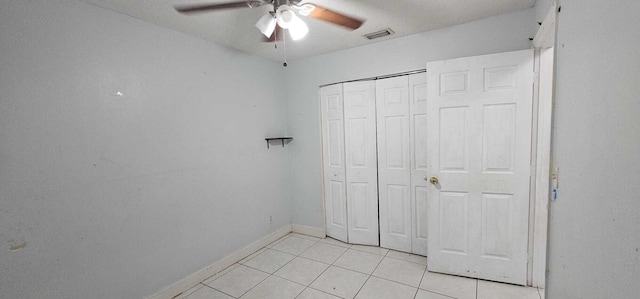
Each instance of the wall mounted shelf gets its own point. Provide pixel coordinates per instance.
(278, 138)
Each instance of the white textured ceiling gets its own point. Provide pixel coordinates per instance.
(235, 27)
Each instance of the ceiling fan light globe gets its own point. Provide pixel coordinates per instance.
(266, 25)
(297, 29)
(285, 17)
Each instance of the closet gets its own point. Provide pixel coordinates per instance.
(473, 141)
(374, 162)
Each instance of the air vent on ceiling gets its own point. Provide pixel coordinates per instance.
(379, 34)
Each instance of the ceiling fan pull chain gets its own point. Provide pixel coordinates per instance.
(275, 38)
(284, 45)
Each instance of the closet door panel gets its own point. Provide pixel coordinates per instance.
(394, 171)
(361, 162)
(335, 187)
(418, 116)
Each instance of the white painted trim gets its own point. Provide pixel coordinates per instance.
(534, 156)
(543, 167)
(546, 35)
(317, 232)
(544, 41)
(324, 205)
(236, 256)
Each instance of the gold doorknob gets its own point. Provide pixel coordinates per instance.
(433, 180)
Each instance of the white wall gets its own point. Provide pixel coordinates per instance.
(118, 197)
(497, 34)
(594, 230)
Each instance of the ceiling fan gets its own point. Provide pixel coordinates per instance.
(283, 15)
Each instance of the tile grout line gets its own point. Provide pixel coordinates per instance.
(223, 270)
(183, 296)
(215, 290)
(261, 249)
(249, 290)
(434, 292)
(369, 251)
(289, 280)
(395, 258)
(334, 245)
(443, 295)
(333, 264)
(240, 262)
(295, 255)
(418, 287)
(404, 284)
(287, 252)
(265, 248)
(362, 286)
(276, 242)
(420, 283)
(370, 275)
(272, 274)
(315, 242)
(325, 270)
(321, 292)
(318, 242)
(344, 268)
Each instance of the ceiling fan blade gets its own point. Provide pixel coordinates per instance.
(197, 8)
(335, 17)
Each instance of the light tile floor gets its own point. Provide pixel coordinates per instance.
(304, 267)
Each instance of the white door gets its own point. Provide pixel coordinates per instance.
(479, 112)
(394, 175)
(418, 140)
(361, 162)
(334, 161)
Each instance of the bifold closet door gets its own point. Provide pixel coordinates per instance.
(418, 140)
(394, 173)
(361, 162)
(350, 162)
(331, 102)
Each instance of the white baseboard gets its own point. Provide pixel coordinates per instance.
(195, 278)
(308, 230)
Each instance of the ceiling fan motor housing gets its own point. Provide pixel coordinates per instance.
(277, 3)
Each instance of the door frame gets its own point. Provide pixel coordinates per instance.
(543, 43)
(541, 164)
